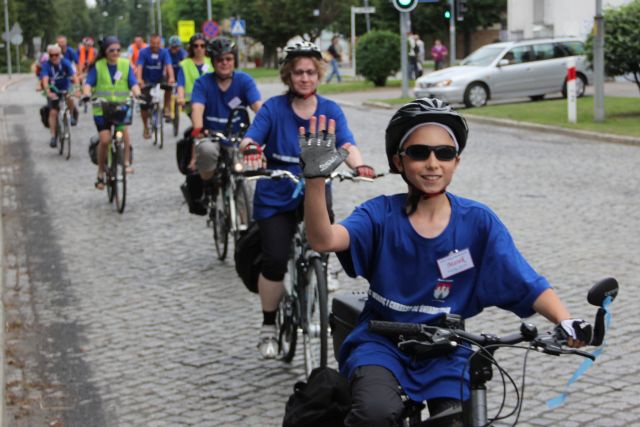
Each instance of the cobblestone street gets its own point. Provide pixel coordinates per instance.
(130, 320)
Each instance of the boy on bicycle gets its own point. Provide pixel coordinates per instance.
(57, 74)
(425, 253)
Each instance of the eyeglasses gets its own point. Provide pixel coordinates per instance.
(113, 50)
(300, 73)
(422, 152)
(199, 45)
(224, 59)
(54, 55)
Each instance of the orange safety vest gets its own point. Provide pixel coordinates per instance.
(86, 56)
(134, 53)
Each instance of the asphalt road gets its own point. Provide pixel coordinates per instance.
(119, 320)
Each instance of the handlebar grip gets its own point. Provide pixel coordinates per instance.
(394, 329)
(599, 327)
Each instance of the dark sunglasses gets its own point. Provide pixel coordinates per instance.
(198, 45)
(54, 55)
(113, 50)
(422, 152)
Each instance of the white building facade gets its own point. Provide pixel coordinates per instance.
(553, 18)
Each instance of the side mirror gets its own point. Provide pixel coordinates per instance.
(503, 62)
(604, 288)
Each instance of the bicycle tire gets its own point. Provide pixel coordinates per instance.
(221, 224)
(154, 123)
(315, 315)
(120, 178)
(243, 209)
(287, 330)
(110, 172)
(66, 136)
(59, 135)
(161, 130)
(176, 118)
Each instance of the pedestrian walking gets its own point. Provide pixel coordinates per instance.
(413, 56)
(438, 53)
(420, 53)
(335, 58)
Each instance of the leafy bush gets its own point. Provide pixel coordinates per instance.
(621, 36)
(378, 56)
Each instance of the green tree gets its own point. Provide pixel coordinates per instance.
(378, 56)
(621, 41)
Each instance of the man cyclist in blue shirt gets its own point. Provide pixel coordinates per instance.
(56, 75)
(153, 63)
(68, 52)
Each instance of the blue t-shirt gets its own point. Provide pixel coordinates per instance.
(91, 79)
(59, 75)
(175, 60)
(242, 92)
(275, 127)
(405, 285)
(153, 64)
(70, 55)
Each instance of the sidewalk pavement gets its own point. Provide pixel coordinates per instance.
(6, 82)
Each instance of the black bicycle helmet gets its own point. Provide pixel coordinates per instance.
(221, 45)
(197, 36)
(422, 110)
(303, 48)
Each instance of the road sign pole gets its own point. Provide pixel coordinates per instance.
(571, 90)
(598, 65)
(353, 40)
(8, 41)
(404, 17)
(159, 19)
(452, 35)
(208, 10)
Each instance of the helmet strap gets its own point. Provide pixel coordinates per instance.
(415, 195)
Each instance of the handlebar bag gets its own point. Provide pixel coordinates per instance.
(248, 256)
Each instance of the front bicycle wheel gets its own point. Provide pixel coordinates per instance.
(287, 330)
(176, 118)
(315, 321)
(66, 137)
(154, 123)
(220, 219)
(60, 135)
(110, 173)
(161, 130)
(243, 209)
(120, 178)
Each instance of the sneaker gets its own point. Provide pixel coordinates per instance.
(333, 284)
(54, 142)
(268, 344)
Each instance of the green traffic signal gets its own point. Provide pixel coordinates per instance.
(447, 14)
(405, 5)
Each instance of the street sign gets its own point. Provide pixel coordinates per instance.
(238, 27)
(210, 28)
(363, 9)
(186, 29)
(17, 39)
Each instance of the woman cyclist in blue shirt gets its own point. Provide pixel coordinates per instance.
(425, 253)
(273, 132)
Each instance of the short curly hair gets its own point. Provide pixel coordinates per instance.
(287, 68)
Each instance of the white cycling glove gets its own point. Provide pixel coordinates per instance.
(577, 329)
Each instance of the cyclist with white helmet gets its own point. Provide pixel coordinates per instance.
(425, 253)
(275, 208)
(177, 54)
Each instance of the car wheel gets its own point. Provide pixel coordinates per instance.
(476, 95)
(537, 97)
(581, 87)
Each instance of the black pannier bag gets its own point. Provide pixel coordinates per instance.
(93, 148)
(323, 401)
(183, 152)
(248, 256)
(44, 115)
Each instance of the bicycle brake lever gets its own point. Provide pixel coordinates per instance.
(580, 353)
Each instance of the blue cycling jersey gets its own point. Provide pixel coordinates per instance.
(59, 75)
(153, 64)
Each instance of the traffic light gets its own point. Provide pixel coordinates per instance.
(461, 8)
(447, 13)
(405, 5)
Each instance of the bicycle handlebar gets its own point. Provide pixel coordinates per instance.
(285, 174)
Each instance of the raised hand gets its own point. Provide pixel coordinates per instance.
(318, 154)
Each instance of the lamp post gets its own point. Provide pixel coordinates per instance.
(7, 41)
(119, 18)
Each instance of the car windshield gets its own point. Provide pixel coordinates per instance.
(483, 56)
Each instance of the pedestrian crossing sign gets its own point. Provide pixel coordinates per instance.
(238, 27)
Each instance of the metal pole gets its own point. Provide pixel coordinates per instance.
(8, 41)
(153, 19)
(353, 40)
(18, 57)
(404, 17)
(208, 10)
(159, 19)
(598, 65)
(366, 4)
(452, 35)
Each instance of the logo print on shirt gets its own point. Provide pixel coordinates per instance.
(442, 290)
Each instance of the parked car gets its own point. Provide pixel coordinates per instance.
(526, 68)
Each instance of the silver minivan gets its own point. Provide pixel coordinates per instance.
(526, 68)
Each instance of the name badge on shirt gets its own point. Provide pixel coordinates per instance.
(205, 68)
(117, 75)
(455, 263)
(154, 56)
(235, 102)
